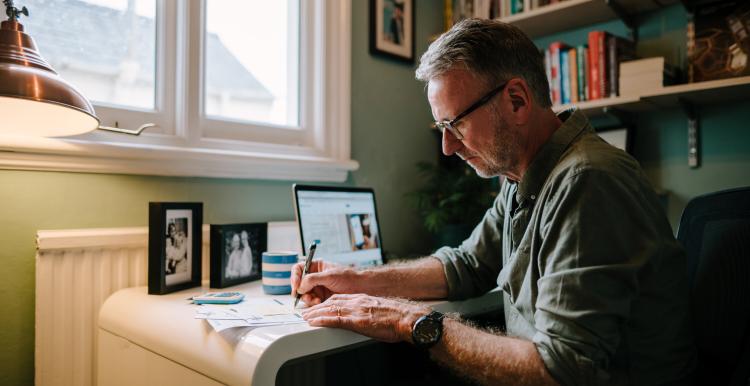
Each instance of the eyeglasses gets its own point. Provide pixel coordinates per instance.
(450, 125)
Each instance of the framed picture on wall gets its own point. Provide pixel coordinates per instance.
(392, 29)
(236, 253)
(174, 246)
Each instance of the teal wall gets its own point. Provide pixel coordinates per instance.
(390, 133)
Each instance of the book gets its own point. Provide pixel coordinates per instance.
(601, 63)
(548, 70)
(565, 76)
(618, 49)
(593, 74)
(573, 77)
(640, 66)
(581, 57)
(556, 76)
(718, 41)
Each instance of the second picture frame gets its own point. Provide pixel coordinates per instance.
(236, 253)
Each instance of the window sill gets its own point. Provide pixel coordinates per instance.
(51, 154)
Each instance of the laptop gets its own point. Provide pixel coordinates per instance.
(343, 221)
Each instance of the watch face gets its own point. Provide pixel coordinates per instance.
(427, 331)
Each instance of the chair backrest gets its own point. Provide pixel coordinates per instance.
(715, 231)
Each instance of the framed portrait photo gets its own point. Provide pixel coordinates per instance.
(236, 253)
(174, 246)
(392, 29)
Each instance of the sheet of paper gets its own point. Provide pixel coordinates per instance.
(252, 312)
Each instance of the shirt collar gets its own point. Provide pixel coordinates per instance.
(574, 123)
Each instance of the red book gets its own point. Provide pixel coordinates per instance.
(593, 75)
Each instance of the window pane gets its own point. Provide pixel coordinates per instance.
(105, 48)
(252, 60)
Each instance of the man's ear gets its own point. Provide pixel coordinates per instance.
(520, 99)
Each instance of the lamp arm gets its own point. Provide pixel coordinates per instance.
(137, 131)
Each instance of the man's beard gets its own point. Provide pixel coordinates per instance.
(501, 154)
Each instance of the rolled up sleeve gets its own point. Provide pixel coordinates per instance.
(471, 269)
(590, 262)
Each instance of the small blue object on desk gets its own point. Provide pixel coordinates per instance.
(219, 298)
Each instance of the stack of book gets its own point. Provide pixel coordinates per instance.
(644, 75)
(589, 71)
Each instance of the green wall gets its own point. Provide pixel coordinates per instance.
(390, 133)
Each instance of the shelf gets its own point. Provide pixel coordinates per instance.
(697, 94)
(569, 14)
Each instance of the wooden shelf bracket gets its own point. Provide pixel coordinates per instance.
(693, 132)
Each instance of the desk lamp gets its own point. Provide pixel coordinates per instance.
(34, 99)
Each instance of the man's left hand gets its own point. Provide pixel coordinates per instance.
(387, 320)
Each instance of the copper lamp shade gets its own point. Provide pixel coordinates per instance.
(34, 99)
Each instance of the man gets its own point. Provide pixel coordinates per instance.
(594, 284)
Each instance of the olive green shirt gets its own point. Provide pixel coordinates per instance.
(588, 265)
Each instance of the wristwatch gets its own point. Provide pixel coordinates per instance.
(428, 330)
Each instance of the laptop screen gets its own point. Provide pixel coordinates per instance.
(342, 221)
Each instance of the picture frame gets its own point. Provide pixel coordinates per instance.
(236, 253)
(174, 246)
(392, 29)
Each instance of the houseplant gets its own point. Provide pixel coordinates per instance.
(452, 200)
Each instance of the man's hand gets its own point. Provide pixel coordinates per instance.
(323, 280)
(383, 319)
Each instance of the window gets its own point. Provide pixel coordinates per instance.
(236, 88)
(253, 80)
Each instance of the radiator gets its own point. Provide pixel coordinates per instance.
(76, 270)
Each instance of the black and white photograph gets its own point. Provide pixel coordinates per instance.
(174, 246)
(392, 29)
(236, 253)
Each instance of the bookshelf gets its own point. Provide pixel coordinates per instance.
(700, 93)
(571, 14)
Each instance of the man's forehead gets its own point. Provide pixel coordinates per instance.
(452, 82)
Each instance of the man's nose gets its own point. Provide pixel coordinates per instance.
(450, 143)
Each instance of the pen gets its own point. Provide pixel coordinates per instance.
(308, 260)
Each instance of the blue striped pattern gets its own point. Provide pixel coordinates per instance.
(280, 259)
(280, 274)
(277, 289)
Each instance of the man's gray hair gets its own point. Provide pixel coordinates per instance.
(493, 51)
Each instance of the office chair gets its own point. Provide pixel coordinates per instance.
(715, 231)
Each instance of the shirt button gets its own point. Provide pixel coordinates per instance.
(533, 197)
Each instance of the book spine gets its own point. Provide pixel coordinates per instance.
(573, 63)
(612, 47)
(593, 65)
(603, 68)
(548, 70)
(555, 70)
(565, 72)
(526, 5)
(581, 74)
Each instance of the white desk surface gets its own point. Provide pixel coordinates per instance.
(165, 325)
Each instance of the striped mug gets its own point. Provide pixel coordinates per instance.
(277, 272)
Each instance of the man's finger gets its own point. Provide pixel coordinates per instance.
(312, 280)
(296, 276)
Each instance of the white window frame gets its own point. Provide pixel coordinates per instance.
(185, 143)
